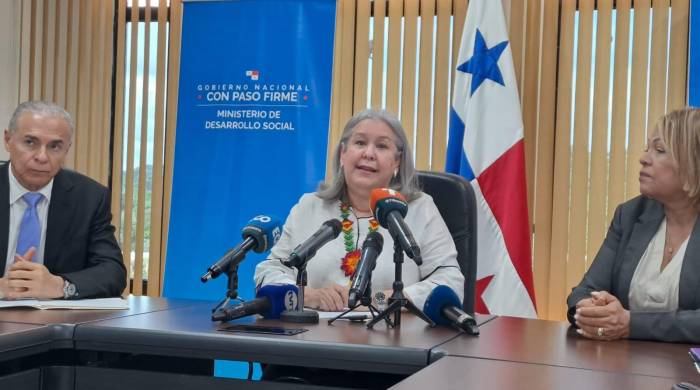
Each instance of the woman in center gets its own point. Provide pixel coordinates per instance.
(373, 152)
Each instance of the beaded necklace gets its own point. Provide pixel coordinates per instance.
(352, 255)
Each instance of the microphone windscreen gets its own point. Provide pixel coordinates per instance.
(374, 240)
(334, 224)
(383, 201)
(282, 297)
(265, 230)
(440, 297)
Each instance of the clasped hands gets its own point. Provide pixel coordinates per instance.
(25, 279)
(602, 317)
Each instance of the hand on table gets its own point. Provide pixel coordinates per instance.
(333, 297)
(602, 317)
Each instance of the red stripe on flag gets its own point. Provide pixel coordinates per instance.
(505, 190)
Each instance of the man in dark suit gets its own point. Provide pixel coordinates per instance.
(56, 236)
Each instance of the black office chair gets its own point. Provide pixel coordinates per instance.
(454, 198)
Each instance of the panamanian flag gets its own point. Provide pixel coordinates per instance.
(486, 146)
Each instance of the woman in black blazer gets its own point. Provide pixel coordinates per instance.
(645, 280)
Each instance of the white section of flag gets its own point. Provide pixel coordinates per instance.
(506, 293)
(492, 108)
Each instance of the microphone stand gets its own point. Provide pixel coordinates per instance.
(398, 300)
(300, 315)
(231, 292)
(365, 300)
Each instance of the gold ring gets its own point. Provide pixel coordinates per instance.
(600, 332)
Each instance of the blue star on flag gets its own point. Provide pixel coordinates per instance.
(484, 62)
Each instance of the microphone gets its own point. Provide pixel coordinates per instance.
(270, 301)
(307, 249)
(371, 249)
(444, 308)
(261, 233)
(389, 208)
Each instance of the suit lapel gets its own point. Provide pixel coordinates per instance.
(690, 271)
(59, 218)
(4, 214)
(643, 231)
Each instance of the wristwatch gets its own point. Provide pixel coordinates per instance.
(69, 290)
(380, 300)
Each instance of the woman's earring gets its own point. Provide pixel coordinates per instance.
(396, 173)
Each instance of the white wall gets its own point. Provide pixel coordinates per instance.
(10, 17)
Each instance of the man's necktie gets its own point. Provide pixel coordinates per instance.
(30, 228)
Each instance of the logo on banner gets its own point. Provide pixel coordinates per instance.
(248, 104)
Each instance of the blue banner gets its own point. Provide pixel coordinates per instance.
(252, 128)
(694, 55)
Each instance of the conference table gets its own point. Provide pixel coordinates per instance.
(517, 352)
(30, 338)
(180, 336)
(188, 332)
(19, 339)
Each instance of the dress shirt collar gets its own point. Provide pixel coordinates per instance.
(17, 190)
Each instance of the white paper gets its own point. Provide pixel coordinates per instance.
(82, 304)
(327, 314)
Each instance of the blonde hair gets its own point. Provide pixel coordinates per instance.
(680, 131)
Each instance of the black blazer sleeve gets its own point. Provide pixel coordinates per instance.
(599, 275)
(80, 242)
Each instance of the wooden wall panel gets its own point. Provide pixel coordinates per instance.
(558, 275)
(459, 14)
(604, 153)
(543, 264)
(151, 120)
(597, 216)
(441, 99)
(379, 19)
(362, 55)
(82, 115)
(529, 93)
(143, 147)
(618, 147)
(57, 39)
(638, 94)
(578, 190)
(658, 60)
(393, 60)
(425, 85)
(130, 136)
(409, 75)
(156, 217)
(118, 143)
(678, 55)
(516, 28)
